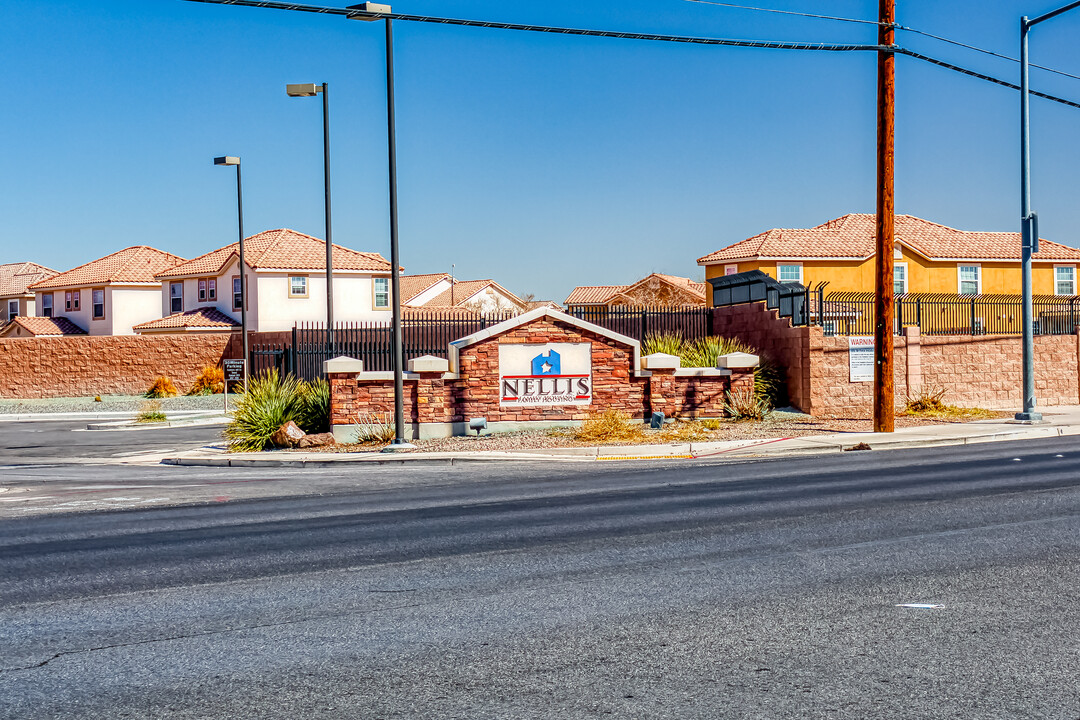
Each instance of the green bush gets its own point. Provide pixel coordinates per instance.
(314, 414)
(667, 343)
(269, 401)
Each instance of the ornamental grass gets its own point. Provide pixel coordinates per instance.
(269, 401)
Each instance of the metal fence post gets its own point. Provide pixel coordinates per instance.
(292, 352)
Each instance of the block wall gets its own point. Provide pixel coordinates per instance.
(103, 365)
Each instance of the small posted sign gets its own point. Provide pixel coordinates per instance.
(861, 359)
(234, 371)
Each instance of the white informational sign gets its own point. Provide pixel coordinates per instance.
(545, 375)
(861, 359)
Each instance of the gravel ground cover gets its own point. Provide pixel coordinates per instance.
(113, 403)
(778, 424)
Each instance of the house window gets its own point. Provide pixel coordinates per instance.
(298, 286)
(202, 290)
(97, 297)
(74, 299)
(899, 283)
(382, 293)
(46, 305)
(970, 279)
(12, 309)
(237, 296)
(731, 269)
(211, 286)
(1065, 280)
(789, 273)
(176, 297)
(67, 301)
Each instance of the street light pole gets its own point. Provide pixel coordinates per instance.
(1029, 227)
(309, 90)
(226, 161)
(370, 11)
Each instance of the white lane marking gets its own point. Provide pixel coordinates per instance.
(1016, 459)
(26, 499)
(143, 452)
(111, 487)
(921, 606)
(1059, 456)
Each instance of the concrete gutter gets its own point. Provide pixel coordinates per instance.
(192, 421)
(928, 436)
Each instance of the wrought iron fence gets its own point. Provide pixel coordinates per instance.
(423, 333)
(944, 314)
(691, 322)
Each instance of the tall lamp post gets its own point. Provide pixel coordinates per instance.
(1029, 226)
(310, 90)
(226, 161)
(370, 11)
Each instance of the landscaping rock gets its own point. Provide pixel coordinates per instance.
(317, 440)
(288, 435)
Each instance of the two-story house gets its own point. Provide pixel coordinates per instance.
(928, 258)
(16, 300)
(107, 296)
(441, 291)
(285, 275)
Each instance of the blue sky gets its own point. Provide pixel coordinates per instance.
(541, 161)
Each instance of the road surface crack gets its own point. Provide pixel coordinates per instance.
(208, 633)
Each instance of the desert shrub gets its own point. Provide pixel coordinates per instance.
(314, 411)
(703, 352)
(667, 343)
(162, 388)
(745, 404)
(269, 401)
(374, 427)
(685, 431)
(610, 426)
(150, 412)
(210, 381)
(928, 399)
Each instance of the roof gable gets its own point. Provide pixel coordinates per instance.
(137, 264)
(40, 327)
(15, 278)
(853, 236)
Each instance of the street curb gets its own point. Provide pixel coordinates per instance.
(88, 416)
(180, 422)
(744, 449)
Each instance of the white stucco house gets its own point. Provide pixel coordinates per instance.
(16, 299)
(107, 296)
(441, 291)
(285, 275)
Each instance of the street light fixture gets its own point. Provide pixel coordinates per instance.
(227, 161)
(1029, 244)
(369, 11)
(311, 90)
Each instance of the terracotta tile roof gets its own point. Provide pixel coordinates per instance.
(137, 264)
(852, 236)
(698, 288)
(16, 277)
(593, 294)
(41, 327)
(200, 318)
(280, 250)
(413, 285)
(463, 290)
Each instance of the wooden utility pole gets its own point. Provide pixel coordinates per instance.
(883, 305)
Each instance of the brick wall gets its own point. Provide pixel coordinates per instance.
(475, 393)
(975, 371)
(103, 365)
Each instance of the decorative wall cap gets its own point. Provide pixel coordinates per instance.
(343, 364)
(661, 361)
(429, 364)
(738, 360)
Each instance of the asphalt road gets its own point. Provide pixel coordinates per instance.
(746, 590)
(50, 441)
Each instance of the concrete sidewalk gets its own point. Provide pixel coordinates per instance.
(1058, 421)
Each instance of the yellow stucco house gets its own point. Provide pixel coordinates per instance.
(929, 258)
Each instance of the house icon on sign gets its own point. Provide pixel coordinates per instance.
(547, 364)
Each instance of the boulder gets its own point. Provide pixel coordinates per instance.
(317, 440)
(288, 435)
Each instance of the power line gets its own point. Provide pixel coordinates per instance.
(772, 45)
(874, 22)
(786, 12)
(767, 44)
(981, 76)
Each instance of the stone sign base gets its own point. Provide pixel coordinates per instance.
(536, 390)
